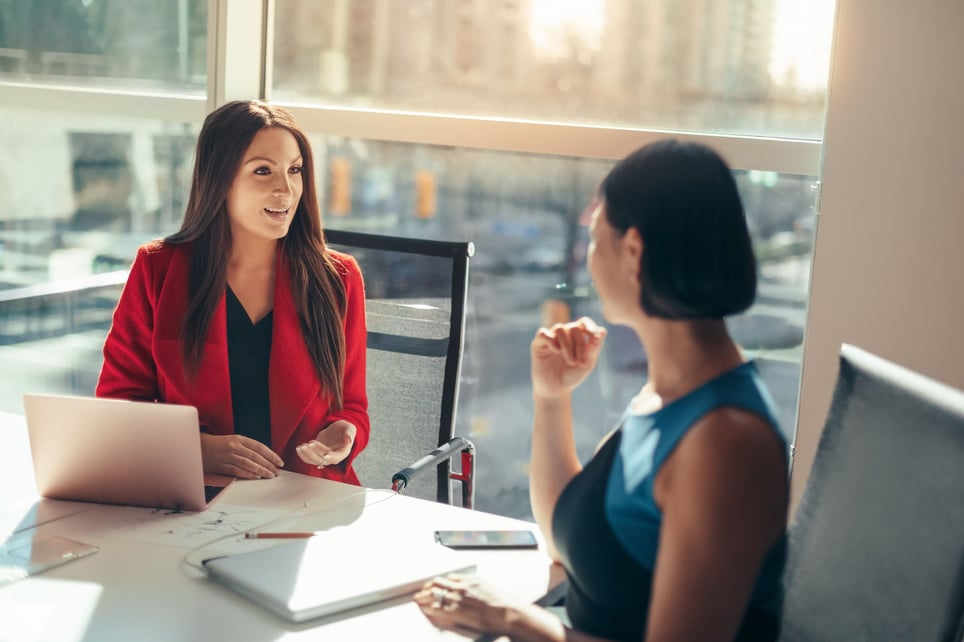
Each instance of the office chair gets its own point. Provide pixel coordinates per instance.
(415, 295)
(876, 551)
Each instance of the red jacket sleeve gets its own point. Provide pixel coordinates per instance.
(355, 398)
(129, 371)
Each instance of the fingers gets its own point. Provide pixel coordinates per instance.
(577, 342)
(270, 456)
(239, 456)
(318, 454)
(258, 458)
(456, 602)
(332, 445)
(438, 596)
(249, 463)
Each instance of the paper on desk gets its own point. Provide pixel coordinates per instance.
(189, 530)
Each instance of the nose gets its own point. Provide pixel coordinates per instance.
(282, 187)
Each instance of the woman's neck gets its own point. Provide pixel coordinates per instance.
(251, 276)
(683, 355)
(252, 256)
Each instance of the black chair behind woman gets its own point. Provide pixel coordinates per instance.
(876, 551)
(415, 297)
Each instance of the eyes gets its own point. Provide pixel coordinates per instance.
(264, 170)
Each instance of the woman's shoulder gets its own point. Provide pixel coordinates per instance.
(737, 436)
(159, 250)
(155, 258)
(345, 263)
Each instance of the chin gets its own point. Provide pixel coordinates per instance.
(277, 233)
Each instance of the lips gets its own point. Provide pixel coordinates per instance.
(276, 214)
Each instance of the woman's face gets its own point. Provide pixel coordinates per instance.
(266, 190)
(613, 263)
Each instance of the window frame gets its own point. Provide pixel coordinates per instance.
(240, 39)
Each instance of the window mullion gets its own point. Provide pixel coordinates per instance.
(236, 50)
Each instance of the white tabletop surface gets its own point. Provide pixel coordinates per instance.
(141, 584)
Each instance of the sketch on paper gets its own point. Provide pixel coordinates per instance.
(161, 526)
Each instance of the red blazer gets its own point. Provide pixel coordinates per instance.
(142, 357)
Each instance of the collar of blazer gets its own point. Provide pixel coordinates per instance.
(292, 380)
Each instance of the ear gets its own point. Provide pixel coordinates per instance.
(632, 251)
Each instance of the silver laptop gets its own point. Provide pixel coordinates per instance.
(321, 576)
(113, 451)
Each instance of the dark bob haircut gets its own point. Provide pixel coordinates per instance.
(697, 259)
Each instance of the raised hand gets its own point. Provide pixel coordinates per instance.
(563, 356)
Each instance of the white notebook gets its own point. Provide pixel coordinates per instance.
(321, 576)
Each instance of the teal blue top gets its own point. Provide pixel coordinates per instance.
(649, 439)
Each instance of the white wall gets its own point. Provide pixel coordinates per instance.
(888, 269)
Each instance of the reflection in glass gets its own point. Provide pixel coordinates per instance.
(754, 67)
(108, 43)
(78, 194)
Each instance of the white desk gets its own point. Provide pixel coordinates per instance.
(136, 587)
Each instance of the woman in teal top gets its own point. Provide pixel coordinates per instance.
(675, 529)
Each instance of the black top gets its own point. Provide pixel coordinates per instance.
(609, 591)
(249, 353)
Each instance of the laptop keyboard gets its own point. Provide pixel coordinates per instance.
(210, 492)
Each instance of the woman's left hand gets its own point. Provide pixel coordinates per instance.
(457, 602)
(332, 445)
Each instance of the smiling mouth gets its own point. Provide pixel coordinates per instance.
(276, 213)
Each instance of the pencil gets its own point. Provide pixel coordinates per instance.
(295, 535)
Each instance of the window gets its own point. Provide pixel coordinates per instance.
(131, 44)
(462, 119)
(525, 215)
(78, 195)
(755, 67)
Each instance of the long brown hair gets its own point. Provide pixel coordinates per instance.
(316, 285)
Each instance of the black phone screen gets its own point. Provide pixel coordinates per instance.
(487, 539)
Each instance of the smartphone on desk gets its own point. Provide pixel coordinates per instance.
(487, 539)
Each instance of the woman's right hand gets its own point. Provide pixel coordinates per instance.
(564, 355)
(238, 456)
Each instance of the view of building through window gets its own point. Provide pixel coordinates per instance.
(755, 67)
(134, 44)
(80, 190)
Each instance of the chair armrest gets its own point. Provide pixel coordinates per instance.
(454, 446)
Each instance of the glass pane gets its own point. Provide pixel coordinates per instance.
(106, 43)
(77, 196)
(525, 215)
(754, 67)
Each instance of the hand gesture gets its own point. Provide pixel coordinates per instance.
(564, 355)
(332, 445)
(456, 602)
(238, 456)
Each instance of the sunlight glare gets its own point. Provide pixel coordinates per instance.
(555, 25)
(48, 609)
(802, 34)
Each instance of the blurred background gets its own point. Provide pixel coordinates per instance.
(415, 111)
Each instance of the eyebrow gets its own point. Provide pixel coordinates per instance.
(264, 159)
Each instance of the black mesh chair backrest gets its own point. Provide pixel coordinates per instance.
(876, 550)
(415, 294)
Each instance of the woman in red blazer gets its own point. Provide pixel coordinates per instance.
(246, 314)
